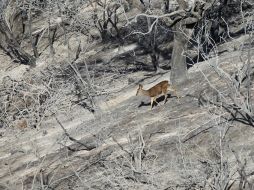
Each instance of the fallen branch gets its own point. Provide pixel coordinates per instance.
(72, 138)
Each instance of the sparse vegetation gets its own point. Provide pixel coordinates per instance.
(69, 117)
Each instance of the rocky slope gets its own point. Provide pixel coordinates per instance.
(188, 143)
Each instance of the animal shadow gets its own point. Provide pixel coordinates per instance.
(160, 99)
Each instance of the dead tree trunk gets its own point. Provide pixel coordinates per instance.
(178, 61)
(11, 46)
(11, 32)
(152, 46)
(32, 41)
(50, 38)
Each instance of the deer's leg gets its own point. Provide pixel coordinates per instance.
(165, 92)
(165, 98)
(152, 99)
(176, 94)
(173, 88)
(155, 100)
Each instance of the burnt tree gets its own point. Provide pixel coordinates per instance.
(11, 31)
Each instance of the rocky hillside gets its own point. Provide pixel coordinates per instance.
(72, 120)
(189, 142)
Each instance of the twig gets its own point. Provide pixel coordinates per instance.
(70, 137)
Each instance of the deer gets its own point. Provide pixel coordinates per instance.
(155, 91)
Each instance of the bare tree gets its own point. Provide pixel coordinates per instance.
(11, 30)
(181, 20)
(106, 18)
(32, 41)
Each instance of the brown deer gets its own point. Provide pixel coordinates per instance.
(155, 91)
